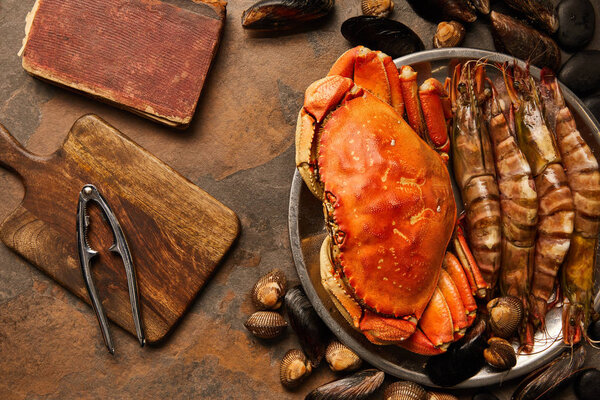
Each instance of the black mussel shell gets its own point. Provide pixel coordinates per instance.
(522, 41)
(544, 382)
(540, 12)
(355, 387)
(443, 10)
(462, 360)
(312, 333)
(391, 37)
(484, 396)
(576, 24)
(587, 385)
(580, 72)
(483, 6)
(273, 15)
(594, 328)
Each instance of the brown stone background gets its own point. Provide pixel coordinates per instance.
(239, 149)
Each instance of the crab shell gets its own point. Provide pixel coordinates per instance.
(388, 205)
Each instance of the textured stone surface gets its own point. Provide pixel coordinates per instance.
(239, 149)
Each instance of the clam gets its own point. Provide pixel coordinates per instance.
(462, 360)
(269, 290)
(483, 6)
(440, 396)
(354, 387)
(449, 34)
(522, 41)
(266, 324)
(551, 377)
(587, 385)
(391, 37)
(294, 368)
(506, 313)
(500, 354)
(341, 358)
(272, 15)
(313, 335)
(404, 390)
(377, 8)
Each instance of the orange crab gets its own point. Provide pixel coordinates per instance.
(389, 209)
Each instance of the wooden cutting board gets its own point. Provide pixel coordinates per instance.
(147, 56)
(177, 233)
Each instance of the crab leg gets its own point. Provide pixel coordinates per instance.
(431, 93)
(584, 180)
(410, 89)
(455, 304)
(373, 71)
(456, 272)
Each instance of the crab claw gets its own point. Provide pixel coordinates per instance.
(382, 330)
(373, 71)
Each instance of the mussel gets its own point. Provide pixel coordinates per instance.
(587, 385)
(377, 8)
(546, 380)
(266, 324)
(269, 290)
(341, 358)
(294, 368)
(355, 387)
(404, 390)
(505, 315)
(580, 72)
(484, 396)
(483, 6)
(448, 34)
(462, 360)
(576, 24)
(312, 333)
(539, 12)
(500, 354)
(391, 37)
(522, 41)
(272, 15)
(439, 10)
(441, 396)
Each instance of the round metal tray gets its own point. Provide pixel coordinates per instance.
(307, 231)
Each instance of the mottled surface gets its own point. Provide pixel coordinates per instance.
(239, 149)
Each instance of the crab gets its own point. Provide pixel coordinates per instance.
(389, 209)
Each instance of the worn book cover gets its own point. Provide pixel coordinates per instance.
(147, 56)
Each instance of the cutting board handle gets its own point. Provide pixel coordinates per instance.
(13, 155)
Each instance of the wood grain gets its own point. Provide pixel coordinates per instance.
(146, 56)
(177, 233)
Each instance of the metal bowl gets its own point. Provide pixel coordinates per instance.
(307, 231)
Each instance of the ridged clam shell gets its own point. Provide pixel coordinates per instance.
(266, 324)
(405, 390)
(506, 313)
(341, 358)
(269, 290)
(500, 354)
(440, 396)
(448, 34)
(354, 387)
(294, 368)
(377, 8)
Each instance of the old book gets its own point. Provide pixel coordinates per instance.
(147, 56)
